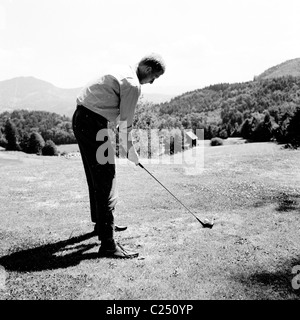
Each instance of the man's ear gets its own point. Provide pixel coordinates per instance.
(148, 69)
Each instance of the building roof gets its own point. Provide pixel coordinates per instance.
(191, 135)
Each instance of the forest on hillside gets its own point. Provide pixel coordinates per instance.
(260, 110)
(30, 131)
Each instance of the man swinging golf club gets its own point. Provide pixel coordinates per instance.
(110, 98)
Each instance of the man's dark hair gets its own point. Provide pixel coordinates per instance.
(155, 61)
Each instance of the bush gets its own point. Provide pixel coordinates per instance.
(216, 142)
(262, 132)
(24, 141)
(246, 129)
(293, 129)
(3, 142)
(10, 132)
(49, 149)
(223, 134)
(35, 143)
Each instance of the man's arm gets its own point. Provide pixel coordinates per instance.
(129, 96)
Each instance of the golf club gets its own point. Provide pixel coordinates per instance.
(205, 223)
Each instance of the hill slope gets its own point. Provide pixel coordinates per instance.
(35, 94)
(287, 68)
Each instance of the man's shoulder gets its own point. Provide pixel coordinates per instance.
(123, 73)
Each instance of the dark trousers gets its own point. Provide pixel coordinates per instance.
(100, 175)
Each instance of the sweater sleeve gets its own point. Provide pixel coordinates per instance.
(129, 95)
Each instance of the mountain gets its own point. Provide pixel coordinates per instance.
(35, 94)
(287, 68)
(278, 89)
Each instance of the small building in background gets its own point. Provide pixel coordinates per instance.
(191, 139)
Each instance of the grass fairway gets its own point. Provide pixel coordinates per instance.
(252, 191)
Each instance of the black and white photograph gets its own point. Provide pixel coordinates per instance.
(150, 153)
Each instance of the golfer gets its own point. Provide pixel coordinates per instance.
(111, 97)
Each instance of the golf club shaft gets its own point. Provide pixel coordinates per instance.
(171, 193)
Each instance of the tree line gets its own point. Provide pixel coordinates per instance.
(260, 110)
(34, 131)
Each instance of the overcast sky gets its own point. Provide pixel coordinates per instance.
(67, 42)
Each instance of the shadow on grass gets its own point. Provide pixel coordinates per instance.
(288, 202)
(282, 283)
(50, 256)
(284, 202)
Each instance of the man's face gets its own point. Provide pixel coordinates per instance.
(147, 76)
